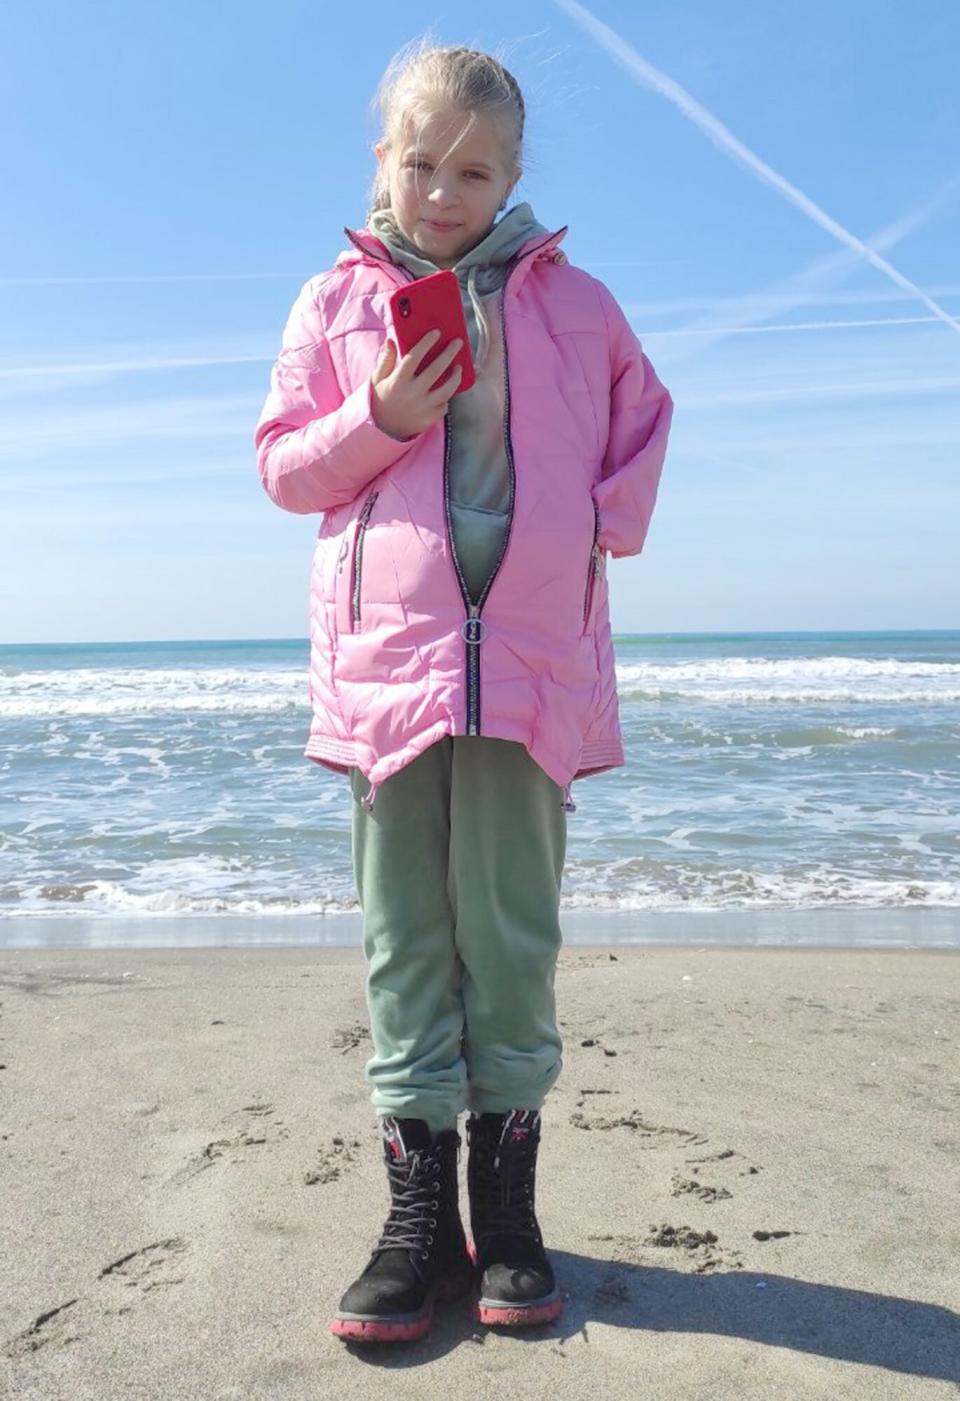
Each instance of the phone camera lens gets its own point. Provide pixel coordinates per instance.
(404, 305)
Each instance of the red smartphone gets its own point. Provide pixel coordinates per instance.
(431, 303)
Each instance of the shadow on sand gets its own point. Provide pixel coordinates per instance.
(902, 1335)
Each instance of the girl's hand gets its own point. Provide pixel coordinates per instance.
(406, 399)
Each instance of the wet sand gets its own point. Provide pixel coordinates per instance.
(748, 1180)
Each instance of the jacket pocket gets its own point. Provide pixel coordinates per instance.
(349, 576)
(594, 570)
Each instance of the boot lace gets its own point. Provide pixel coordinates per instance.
(414, 1193)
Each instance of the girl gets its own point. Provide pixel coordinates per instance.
(462, 665)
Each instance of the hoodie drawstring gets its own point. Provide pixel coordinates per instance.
(568, 804)
(483, 330)
(368, 798)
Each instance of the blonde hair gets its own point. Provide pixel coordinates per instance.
(424, 78)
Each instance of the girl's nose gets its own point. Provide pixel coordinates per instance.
(437, 193)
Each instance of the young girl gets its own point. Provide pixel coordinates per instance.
(462, 665)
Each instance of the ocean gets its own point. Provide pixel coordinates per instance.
(785, 788)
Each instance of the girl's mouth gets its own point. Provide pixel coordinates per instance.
(441, 228)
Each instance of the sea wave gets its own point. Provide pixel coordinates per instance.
(587, 889)
(723, 680)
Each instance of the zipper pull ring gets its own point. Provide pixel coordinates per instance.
(473, 629)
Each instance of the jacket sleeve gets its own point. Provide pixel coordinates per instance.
(641, 411)
(316, 448)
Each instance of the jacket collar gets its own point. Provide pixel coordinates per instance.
(373, 248)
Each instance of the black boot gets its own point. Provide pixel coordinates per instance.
(517, 1284)
(422, 1254)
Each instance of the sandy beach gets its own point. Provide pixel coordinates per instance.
(748, 1180)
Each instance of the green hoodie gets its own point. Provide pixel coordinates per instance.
(479, 471)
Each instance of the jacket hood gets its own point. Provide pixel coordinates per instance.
(480, 270)
(495, 249)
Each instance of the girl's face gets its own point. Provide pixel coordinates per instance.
(446, 203)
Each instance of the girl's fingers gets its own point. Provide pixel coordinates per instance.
(440, 363)
(445, 388)
(442, 360)
(428, 376)
(411, 361)
(386, 362)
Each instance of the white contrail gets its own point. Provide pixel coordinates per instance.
(674, 306)
(796, 289)
(120, 367)
(719, 331)
(652, 77)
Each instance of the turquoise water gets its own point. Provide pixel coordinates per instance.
(767, 774)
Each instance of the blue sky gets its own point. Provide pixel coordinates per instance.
(173, 173)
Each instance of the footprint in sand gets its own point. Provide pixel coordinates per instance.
(256, 1128)
(634, 1121)
(701, 1250)
(348, 1038)
(591, 1091)
(724, 1156)
(50, 1329)
(143, 1270)
(123, 1283)
(333, 1160)
(682, 1186)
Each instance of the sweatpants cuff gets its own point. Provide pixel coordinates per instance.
(501, 1104)
(436, 1123)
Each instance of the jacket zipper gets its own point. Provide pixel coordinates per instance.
(358, 555)
(472, 630)
(594, 567)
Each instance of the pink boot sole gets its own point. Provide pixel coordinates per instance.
(514, 1315)
(406, 1329)
(376, 1331)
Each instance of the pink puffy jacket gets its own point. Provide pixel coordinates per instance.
(398, 655)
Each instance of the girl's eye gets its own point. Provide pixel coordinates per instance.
(425, 165)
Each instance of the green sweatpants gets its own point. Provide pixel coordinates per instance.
(458, 870)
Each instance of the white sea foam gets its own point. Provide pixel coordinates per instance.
(608, 888)
(740, 889)
(761, 680)
(134, 690)
(106, 897)
(147, 690)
